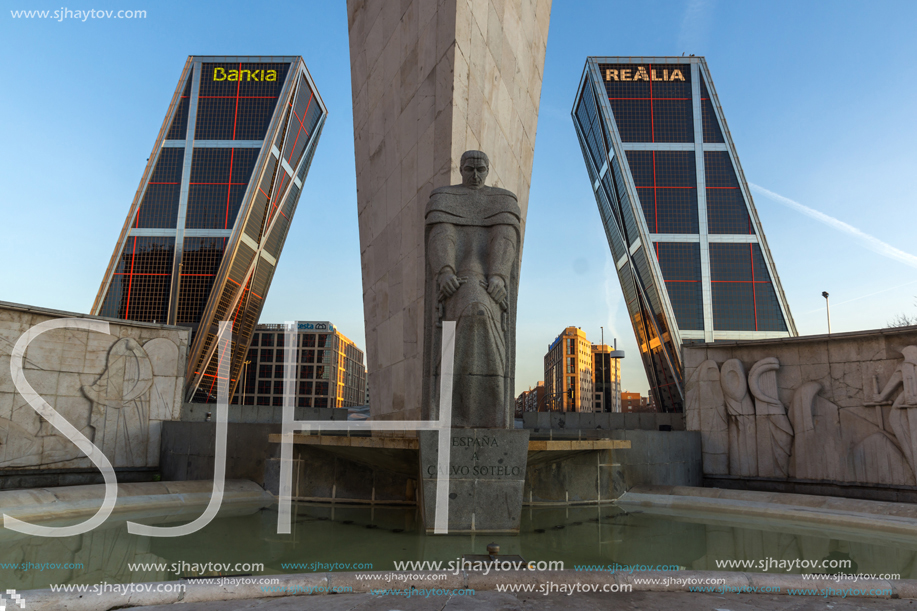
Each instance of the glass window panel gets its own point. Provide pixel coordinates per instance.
(726, 212)
(730, 262)
(159, 206)
(712, 132)
(179, 125)
(237, 101)
(201, 259)
(733, 306)
(219, 178)
(767, 308)
(140, 286)
(680, 265)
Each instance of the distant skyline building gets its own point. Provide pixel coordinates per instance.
(568, 374)
(531, 400)
(330, 369)
(606, 370)
(209, 219)
(686, 239)
(632, 402)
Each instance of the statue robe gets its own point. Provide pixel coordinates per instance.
(477, 233)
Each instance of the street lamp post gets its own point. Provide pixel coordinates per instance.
(828, 308)
(244, 376)
(602, 356)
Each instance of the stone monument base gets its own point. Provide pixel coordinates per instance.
(486, 478)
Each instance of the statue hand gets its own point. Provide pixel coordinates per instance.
(448, 284)
(496, 288)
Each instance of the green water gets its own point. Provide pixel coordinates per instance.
(380, 536)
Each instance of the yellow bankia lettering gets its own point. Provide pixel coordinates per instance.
(221, 74)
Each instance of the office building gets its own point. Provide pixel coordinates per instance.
(531, 400)
(632, 402)
(568, 373)
(330, 370)
(606, 368)
(210, 216)
(681, 224)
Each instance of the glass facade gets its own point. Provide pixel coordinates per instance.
(207, 225)
(691, 256)
(339, 380)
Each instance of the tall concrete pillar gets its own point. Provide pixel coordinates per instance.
(431, 79)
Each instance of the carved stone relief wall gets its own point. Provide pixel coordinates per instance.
(840, 409)
(117, 389)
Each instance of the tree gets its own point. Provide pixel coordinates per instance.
(902, 320)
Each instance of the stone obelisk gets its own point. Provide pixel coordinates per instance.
(430, 80)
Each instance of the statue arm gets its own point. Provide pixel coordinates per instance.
(501, 253)
(441, 255)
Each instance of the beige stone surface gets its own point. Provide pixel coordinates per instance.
(836, 409)
(431, 79)
(135, 384)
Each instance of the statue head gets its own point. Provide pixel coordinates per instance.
(474, 167)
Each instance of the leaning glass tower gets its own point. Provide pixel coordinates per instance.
(688, 246)
(209, 219)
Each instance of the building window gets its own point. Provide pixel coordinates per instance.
(308, 340)
(267, 356)
(278, 387)
(322, 341)
(264, 400)
(278, 371)
(571, 364)
(264, 388)
(306, 372)
(265, 371)
(743, 295)
(267, 339)
(277, 401)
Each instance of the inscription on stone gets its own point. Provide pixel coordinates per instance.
(486, 476)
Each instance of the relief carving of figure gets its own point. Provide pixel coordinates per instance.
(473, 241)
(903, 417)
(121, 404)
(818, 446)
(706, 412)
(773, 428)
(743, 453)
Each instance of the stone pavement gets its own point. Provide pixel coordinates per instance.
(649, 601)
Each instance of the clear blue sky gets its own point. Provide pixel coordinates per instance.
(819, 98)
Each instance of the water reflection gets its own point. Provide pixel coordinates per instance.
(323, 535)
